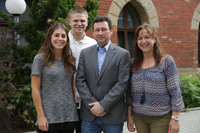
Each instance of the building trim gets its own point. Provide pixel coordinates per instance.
(196, 18)
(189, 71)
(145, 9)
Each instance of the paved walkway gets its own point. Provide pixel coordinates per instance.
(189, 122)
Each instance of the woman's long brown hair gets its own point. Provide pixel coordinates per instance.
(158, 51)
(47, 48)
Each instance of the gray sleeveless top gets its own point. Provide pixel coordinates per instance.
(56, 91)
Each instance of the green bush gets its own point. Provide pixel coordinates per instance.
(16, 104)
(190, 90)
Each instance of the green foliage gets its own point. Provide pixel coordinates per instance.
(26, 106)
(8, 63)
(6, 18)
(190, 90)
(9, 94)
(92, 8)
(62, 20)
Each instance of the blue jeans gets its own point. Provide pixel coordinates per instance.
(97, 126)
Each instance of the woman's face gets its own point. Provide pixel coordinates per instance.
(145, 41)
(59, 39)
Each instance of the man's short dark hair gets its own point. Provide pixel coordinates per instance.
(102, 19)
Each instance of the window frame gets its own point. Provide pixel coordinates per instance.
(126, 29)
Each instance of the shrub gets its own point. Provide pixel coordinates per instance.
(16, 103)
(190, 90)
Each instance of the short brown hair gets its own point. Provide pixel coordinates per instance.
(80, 10)
(102, 19)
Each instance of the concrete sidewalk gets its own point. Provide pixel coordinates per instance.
(189, 122)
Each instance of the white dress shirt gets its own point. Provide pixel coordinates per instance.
(76, 48)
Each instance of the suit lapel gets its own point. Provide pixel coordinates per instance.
(94, 59)
(109, 55)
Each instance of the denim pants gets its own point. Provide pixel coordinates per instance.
(97, 126)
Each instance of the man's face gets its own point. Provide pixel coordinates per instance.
(78, 22)
(102, 33)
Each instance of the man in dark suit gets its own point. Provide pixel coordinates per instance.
(102, 79)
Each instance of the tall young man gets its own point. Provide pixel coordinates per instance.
(102, 79)
(78, 20)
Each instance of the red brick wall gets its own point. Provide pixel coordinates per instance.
(174, 32)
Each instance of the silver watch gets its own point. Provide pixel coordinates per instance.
(176, 117)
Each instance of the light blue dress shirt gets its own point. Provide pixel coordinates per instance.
(101, 55)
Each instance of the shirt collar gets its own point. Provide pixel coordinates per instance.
(106, 47)
(71, 36)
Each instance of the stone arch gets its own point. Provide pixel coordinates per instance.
(196, 18)
(145, 9)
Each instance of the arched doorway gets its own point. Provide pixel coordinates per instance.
(128, 21)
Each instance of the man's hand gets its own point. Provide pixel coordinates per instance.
(102, 114)
(96, 109)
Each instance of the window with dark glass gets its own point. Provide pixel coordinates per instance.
(128, 21)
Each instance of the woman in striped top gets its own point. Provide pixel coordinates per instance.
(154, 93)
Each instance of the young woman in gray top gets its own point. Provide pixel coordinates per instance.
(51, 80)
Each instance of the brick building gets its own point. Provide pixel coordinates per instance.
(176, 23)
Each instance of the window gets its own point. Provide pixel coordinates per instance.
(128, 21)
